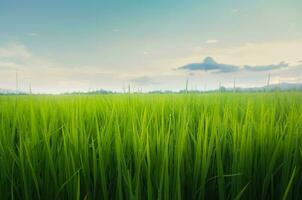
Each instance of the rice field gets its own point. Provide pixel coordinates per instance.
(143, 146)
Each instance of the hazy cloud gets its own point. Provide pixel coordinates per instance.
(266, 67)
(209, 64)
(144, 80)
(33, 34)
(14, 51)
(8, 65)
(211, 41)
(116, 30)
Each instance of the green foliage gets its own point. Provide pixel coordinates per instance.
(173, 146)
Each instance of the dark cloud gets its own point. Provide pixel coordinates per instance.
(209, 64)
(266, 67)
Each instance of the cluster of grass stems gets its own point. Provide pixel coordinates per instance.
(176, 146)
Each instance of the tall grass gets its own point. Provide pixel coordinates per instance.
(190, 146)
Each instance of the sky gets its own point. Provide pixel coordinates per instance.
(69, 45)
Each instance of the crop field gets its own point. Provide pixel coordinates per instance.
(148, 146)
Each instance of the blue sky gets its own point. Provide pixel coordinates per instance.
(59, 46)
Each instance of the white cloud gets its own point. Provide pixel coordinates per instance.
(235, 10)
(14, 50)
(33, 34)
(116, 30)
(253, 54)
(46, 75)
(249, 53)
(211, 41)
(42, 72)
(285, 79)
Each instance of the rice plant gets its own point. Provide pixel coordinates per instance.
(172, 146)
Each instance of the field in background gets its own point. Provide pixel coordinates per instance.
(189, 146)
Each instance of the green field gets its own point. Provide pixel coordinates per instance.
(170, 146)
